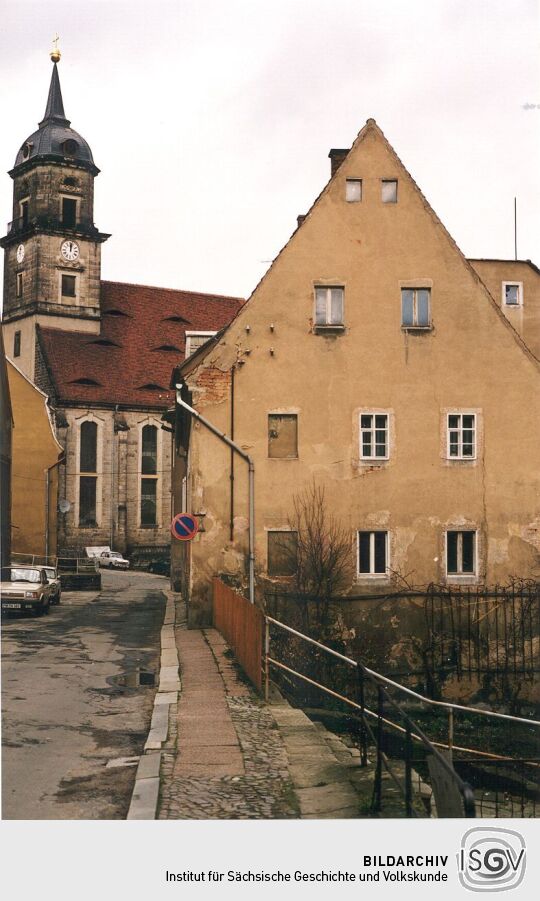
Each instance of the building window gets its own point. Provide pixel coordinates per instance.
(389, 190)
(23, 209)
(329, 306)
(194, 340)
(149, 476)
(19, 284)
(353, 190)
(282, 553)
(88, 475)
(372, 553)
(461, 433)
(17, 344)
(512, 294)
(69, 212)
(69, 286)
(461, 553)
(415, 304)
(374, 436)
(283, 435)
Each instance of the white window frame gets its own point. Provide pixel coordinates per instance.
(460, 455)
(194, 334)
(460, 574)
(373, 458)
(21, 202)
(353, 181)
(327, 324)
(519, 286)
(371, 574)
(415, 324)
(387, 181)
(77, 208)
(140, 475)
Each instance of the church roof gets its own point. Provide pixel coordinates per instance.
(55, 137)
(142, 338)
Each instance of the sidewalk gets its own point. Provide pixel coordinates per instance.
(228, 755)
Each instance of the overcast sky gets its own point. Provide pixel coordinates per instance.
(211, 121)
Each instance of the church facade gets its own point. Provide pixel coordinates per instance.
(102, 351)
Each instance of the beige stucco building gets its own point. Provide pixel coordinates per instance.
(372, 360)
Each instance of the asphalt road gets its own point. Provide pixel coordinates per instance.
(65, 710)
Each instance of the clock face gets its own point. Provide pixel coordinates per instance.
(20, 253)
(70, 251)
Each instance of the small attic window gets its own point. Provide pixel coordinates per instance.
(115, 313)
(84, 381)
(70, 147)
(151, 386)
(168, 347)
(104, 342)
(389, 190)
(27, 150)
(175, 319)
(353, 190)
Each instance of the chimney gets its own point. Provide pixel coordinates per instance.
(336, 158)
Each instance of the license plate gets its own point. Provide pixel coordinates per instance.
(12, 606)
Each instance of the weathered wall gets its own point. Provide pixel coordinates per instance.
(35, 450)
(525, 317)
(470, 359)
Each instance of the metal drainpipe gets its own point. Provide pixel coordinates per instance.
(212, 428)
(112, 477)
(47, 489)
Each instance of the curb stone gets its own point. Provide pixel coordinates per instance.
(144, 798)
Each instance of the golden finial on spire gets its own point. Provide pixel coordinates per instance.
(55, 53)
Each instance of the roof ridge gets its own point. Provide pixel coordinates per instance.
(107, 281)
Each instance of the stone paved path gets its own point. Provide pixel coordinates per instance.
(225, 758)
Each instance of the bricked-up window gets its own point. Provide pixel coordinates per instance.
(148, 503)
(283, 435)
(17, 344)
(19, 284)
(69, 285)
(374, 436)
(389, 190)
(282, 553)
(69, 212)
(329, 306)
(88, 475)
(461, 553)
(353, 190)
(415, 304)
(372, 553)
(149, 473)
(461, 436)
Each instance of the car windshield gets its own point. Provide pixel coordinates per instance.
(16, 574)
(51, 572)
(118, 556)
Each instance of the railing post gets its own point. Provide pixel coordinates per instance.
(266, 652)
(450, 728)
(362, 702)
(408, 770)
(377, 800)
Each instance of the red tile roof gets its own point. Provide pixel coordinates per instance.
(125, 364)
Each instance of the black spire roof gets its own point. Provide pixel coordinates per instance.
(54, 110)
(55, 139)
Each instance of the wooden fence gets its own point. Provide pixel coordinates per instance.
(242, 625)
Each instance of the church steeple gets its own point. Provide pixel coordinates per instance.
(54, 111)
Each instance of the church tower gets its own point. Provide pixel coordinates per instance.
(52, 247)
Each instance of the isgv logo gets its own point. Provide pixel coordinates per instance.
(491, 859)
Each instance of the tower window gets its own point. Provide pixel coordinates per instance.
(69, 212)
(19, 284)
(69, 286)
(17, 344)
(70, 147)
(23, 207)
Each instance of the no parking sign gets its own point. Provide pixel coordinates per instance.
(184, 526)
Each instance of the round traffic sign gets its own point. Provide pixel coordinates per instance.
(184, 526)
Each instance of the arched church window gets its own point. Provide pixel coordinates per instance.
(149, 475)
(88, 475)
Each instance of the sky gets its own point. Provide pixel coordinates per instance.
(211, 122)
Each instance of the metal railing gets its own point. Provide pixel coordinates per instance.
(63, 564)
(408, 730)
